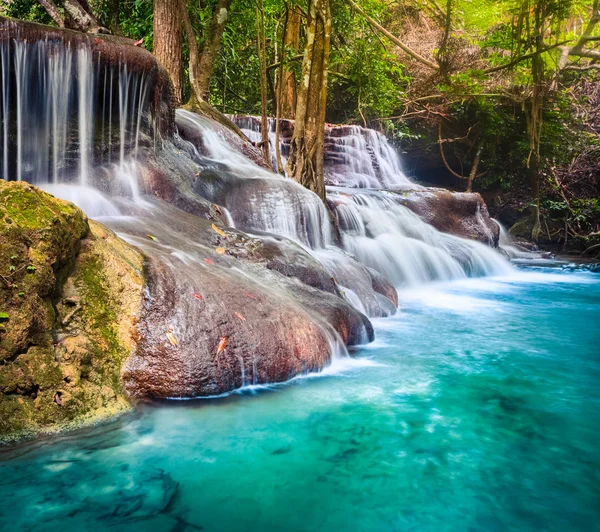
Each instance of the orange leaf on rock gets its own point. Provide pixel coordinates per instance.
(208, 261)
(248, 294)
(197, 296)
(172, 339)
(222, 345)
(220, 232)
(239, 316)
(220, 251)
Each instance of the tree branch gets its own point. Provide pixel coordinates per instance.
(524, 58)
(394, 39)
(54, 13)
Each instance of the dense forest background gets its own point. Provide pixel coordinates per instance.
(495, 96)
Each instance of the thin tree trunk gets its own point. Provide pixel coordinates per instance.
(279, 102)
(114, 23)
(261, 48)
(305, 163)
(81, 17)
(168, 42)
(206, 65)
(288, 78)
(475, 167)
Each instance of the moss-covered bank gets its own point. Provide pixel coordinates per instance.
(70, 292)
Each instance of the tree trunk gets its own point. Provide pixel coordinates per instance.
(475, 167)
(291, 44)
(167, 41)
(305, 163)
(261, 48)
(81, 18)
(113, 8)
(206, 65)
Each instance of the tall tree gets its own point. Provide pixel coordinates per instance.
(168, 41)
(262, 59)
(305, 163)
(291, 44)
(202, 61)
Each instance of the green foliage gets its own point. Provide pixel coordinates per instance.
(25, 10)
(136, 19)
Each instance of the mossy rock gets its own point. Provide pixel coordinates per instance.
(70, 293)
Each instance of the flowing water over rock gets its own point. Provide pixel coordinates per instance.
(355, 157)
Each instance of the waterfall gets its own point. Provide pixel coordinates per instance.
(265, 201)
(57, 111)
(355, 157)
(516, 252)
(388, 237)
(82, 123)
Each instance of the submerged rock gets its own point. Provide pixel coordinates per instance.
(69, 295)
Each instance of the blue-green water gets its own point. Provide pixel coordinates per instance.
(476, 409)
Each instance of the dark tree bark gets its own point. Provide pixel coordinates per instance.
(54, 13)
(305, 163)
(202, 62)
(168, 41)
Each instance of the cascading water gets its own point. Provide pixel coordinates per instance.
(393, 240)
(375, 228)
(268, 202)
(355, 157)
(514, 250)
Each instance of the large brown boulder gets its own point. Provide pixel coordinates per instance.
(225, 309)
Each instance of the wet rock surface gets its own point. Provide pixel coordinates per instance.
(225, 309)
(69, 295)
(457, 213)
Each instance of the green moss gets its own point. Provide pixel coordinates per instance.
(60, 360)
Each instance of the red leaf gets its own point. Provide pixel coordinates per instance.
(239, 316)
(197, 296)
(208, 261)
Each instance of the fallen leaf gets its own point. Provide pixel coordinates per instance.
(171, 338)
(197, 296)
(222, 345)
(220, 251)
(139, 43)
(208, 261)
(152, 238)
(220, 232)
(247, 294)
(218, 209)
(239, 316)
